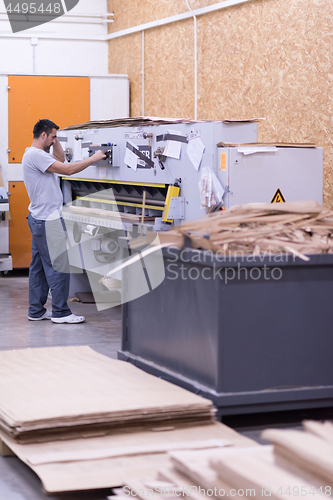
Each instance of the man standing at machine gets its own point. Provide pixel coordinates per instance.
(46, 224)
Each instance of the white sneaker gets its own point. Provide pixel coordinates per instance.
(46, 315)
(72, 318)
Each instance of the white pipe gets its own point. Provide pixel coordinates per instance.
(51, 36)
(34, 59)
(79, 15)
(143, 73)
(63, 19)
(179, 17)
(195, 64)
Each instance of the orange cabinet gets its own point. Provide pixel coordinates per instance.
(19, 232)
(64, 100)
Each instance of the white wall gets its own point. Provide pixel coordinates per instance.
(68, 45)
(109, 97)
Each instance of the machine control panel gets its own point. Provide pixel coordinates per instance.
(112, 155)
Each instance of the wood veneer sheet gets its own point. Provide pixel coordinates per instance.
(196, 465)
(298, 228)
(323, 430)
(62, 388)
(303, 453)
(258, 473)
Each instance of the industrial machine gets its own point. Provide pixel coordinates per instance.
(5, 257)
(148, 182)
(162, 172)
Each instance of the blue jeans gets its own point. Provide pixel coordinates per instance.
(48, 271)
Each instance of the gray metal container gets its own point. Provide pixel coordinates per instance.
(253, 334)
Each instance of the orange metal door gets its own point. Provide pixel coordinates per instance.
(64, 100)
(19, 232)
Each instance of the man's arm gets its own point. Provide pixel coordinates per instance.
(73, 168)
(58, 152)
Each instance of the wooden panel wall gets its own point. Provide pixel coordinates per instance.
(267, 58)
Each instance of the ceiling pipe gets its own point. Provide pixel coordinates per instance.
(195, 63)
(51, 36)
(95, 16)
(143, 73)
(75, 18)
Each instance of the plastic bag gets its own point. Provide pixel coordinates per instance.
(211, 190)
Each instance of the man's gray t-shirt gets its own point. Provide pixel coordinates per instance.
(43, 188)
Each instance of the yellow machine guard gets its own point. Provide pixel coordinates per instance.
(173, 191)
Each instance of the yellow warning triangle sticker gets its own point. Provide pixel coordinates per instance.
(278, 197)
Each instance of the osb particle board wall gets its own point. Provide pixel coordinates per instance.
(266, 58)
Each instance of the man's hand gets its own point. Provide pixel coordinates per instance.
(99, 155)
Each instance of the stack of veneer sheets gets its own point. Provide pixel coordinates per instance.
(299, 228)
(296, 464)
(308, 454)
(83, 421)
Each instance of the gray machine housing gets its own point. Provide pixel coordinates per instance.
(6, 263)
(81, 141)
(154, 173)
(255, 174)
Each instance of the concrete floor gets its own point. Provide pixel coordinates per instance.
(102, 332)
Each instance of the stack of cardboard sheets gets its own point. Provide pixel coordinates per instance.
(83, 421)
(66, 391)
(299, 464)
(141, 121)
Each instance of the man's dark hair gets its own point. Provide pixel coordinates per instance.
(44, 126)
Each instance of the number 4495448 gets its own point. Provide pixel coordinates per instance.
(305, 491)
(33, 8)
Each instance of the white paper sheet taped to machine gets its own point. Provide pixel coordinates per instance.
(173, 148)
(77, 151)
(253, 150)
(131, 158)
(195, 151)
